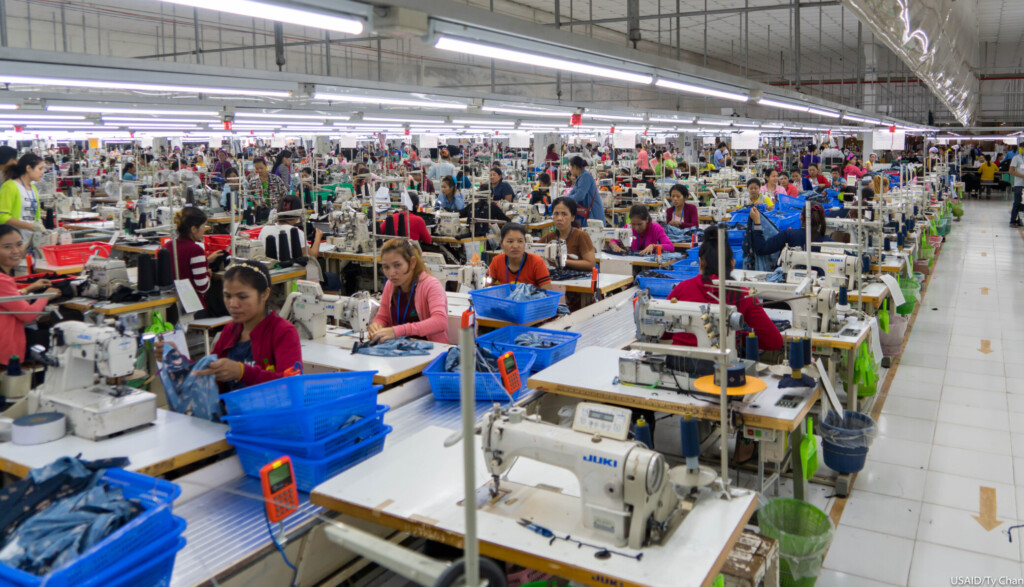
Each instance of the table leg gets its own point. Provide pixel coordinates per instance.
(760, 469)
(799, 483)
(851, 392)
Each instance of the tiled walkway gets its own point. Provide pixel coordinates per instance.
(952, 424)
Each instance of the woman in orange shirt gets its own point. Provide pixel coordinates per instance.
(515, 265)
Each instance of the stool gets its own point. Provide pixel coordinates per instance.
(207, 325)
(987, 186)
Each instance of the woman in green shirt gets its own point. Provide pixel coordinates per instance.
(19, 200)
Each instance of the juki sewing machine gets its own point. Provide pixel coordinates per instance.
(599, 233)
(625, 491)
(351, 231)
(554, 252)
(837, 268)
(309, 308)
(523, 212)
(248, 248)
(448, 224)
(804, 298)
(472, 276)
(79, 352)
(103, 277)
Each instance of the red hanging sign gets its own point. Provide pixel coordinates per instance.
(406, 132)
(576, 120)
(892, 128)
(227, 124)
(18, 128)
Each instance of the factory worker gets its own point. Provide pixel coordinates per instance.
(682, 214)
(129, 172)
(14, 315)
(514, 265)
(701, 289)
(757, 195)
(450, 199)
(793, 237)
(405, 222)
(790, 189)
(414, 302)
(647, 234)
(442, 168)
(231, 184)
(257, 345)
(289, 214)
(578, 246)
(266, 188)
(584, 191)
(771, 185)
(500, 189)
(283, 168)
(19, 200)
(542, 195)
(192, 261)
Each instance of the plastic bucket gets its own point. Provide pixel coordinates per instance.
(892, 341)
(803, 531)
(911, 291)
(846, 440)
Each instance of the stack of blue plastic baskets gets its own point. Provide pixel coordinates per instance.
(139, 554)
(447, 385)
(660, 287)
(326, 423)
(503, 340)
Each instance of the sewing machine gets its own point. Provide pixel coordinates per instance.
(471, 276)
(625, 491)
(599, 233)
(78, 353)
(103, 277)
(309, 308)
(554, 252)
(523, 212)
(248, 248)
(351, 231)
(448, 224)
(58, 202)
(802, 297)
(837, 268)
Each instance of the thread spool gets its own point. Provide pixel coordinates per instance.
(271, 247)
(147, 273)
(690, 439)
(296, 242)
(14, 366)
(752, 351)
(642, 432)
(284, 250)
(796, 357)
(885, 243)
(49, 221)
(807, 351)
(844, 299)
(900, 239)
(164, 272)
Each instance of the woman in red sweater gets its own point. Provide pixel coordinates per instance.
(257, 345)
(12, 325)
(414, 302)
(681, 214)
(701, 289)
(192, 261)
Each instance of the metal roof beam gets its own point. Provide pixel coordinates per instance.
(696, 13)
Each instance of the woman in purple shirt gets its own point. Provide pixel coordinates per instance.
(682, 213)
(646, 234)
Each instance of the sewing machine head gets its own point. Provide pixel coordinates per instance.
(447, 224)
(654, 318)
(104, 276)
(471, 276)
(248, 248)
(309, 308)
(625, 492)
(554, 252)
(599, 233)
(837, 268)
(351, 230)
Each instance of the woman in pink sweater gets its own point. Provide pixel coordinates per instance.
(12, 251)
(414, 303)
(646, 234)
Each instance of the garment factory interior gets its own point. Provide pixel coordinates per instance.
(738, 280)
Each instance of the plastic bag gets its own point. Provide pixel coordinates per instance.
(804, 533)
(187, 393)
(851, 430)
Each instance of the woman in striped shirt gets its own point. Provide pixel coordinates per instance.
(192, 260)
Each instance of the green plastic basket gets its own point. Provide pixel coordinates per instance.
(804, 533)
(911, 291)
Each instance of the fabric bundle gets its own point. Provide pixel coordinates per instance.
(532, 339)
(680, 235)
(396, 347)
(567, 274)
(486, 360)
(188, 393)
(664, 256)
(526, 292)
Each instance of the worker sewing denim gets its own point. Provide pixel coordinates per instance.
(198, 396)
(55, 537)
(751, 260)
(396, 347)
(664, 256)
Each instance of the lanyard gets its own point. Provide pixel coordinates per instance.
(521, 265)
(401, 318)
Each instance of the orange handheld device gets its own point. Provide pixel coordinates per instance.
(509, 373)
(279, 492)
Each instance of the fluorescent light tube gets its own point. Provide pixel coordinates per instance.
(482, 122)
(8, 106)
(672, 120)
(525, 111)
(292, 116)
(279, 13)
(823, 112)
(28, 117)
(536, 60)
(690, 88)
(157, 120)
(398, 120)
(83, 83)
(103, 110)
(386, 101)
(783, 105)
(613, 117)
(863, 119)
(714, 122)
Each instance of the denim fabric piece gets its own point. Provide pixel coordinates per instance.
(64, 465)
(55, 537)
(532, 339)
(752, 261)
(680, 235)
(525, 292)
(563, 310)
(187, 393)
(664, 256)
(396, 347)
(567, 274)
(486, 360)
(777, 276)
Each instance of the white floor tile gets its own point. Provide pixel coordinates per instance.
(979, 417)
(906, 387)
(964, 493)
(869, 554)
(882, 513)
(907, 428)
(974, 352)
(975, 464)
(958, 529)
(1017, 445)
(912, 358)
(969, 364)
(837, 579)
(910, 407)
(976, 381)
(892, 480)
(973, 438)
(895, 451)
(934, 565)
(913, 373)
(1015, 384)
(1015, 402)
(975, 398)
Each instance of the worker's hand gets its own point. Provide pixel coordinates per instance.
(615, 247)
(648, 250)
(215, 255)
(38, 285)
(374, 328)
(755, 215)
(676, 223)
(38, 227)
(224, 370)
(318, 235)
(51, 290)
(382, 334)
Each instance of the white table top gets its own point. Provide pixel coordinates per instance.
(153, 449)
(634, 259)
(378, 489)
(335, 352)
(604, 280)
(591, 372)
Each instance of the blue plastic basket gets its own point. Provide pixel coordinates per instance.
(302, 391)
(149, 567)
(447, 386)
(340, 440)
(660, 287)
(736, 236)
(503, 340)
(493, 302)
(304, 424)
(311, 472)
(155, 495)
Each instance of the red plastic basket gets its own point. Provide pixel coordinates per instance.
(74, 254)
(253, 233)
(211, 242)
